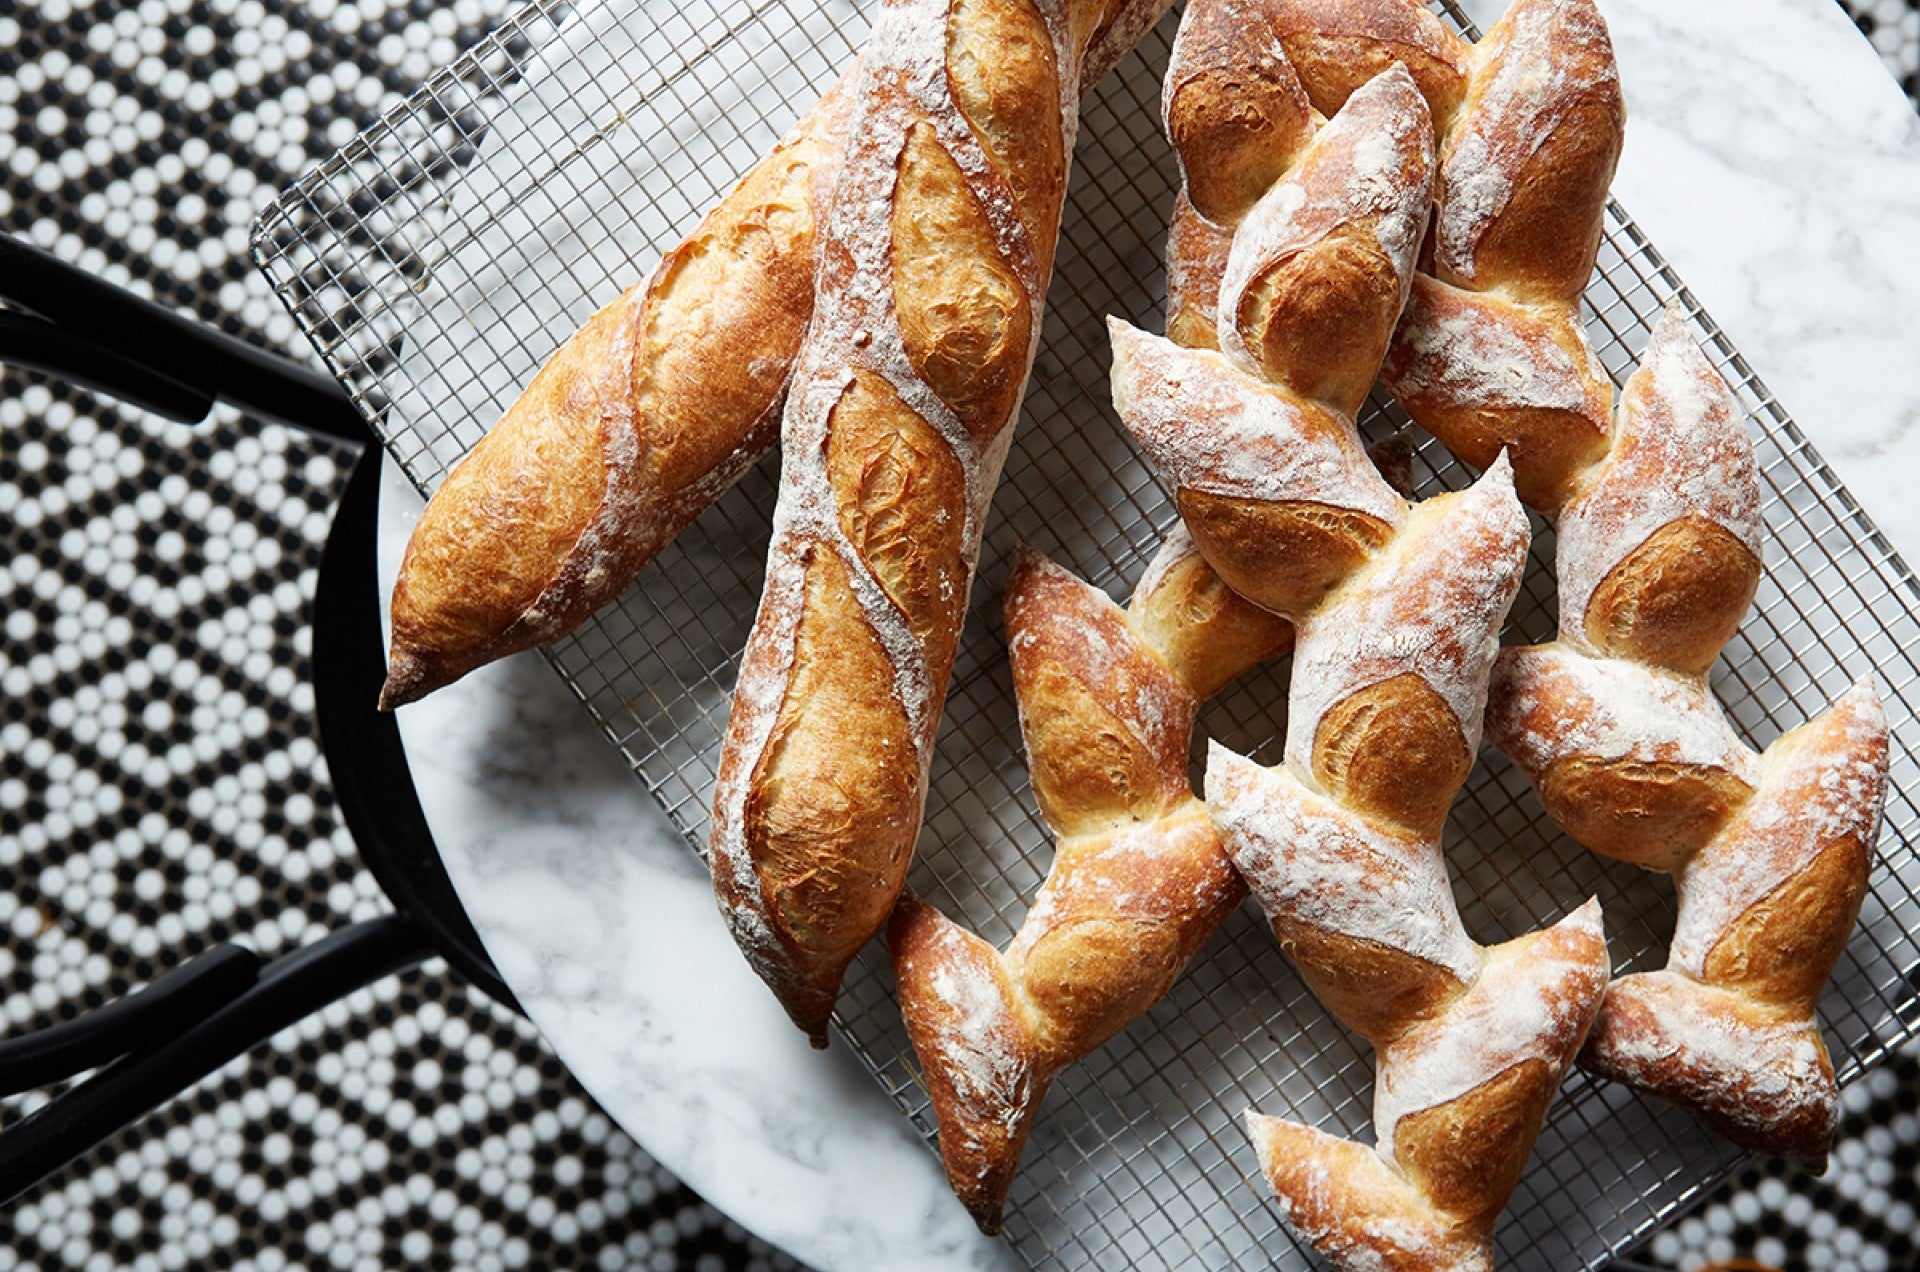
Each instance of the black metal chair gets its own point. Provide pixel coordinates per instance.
(152, 1044)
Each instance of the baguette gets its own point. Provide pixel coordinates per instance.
(933, 257)
(639, 421)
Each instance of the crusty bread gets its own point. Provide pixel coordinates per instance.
(641, 419)
(1397, 613)
(1138, 883)
(1490, 354)
(1659, 556)
(1341, 847)
(934, 251)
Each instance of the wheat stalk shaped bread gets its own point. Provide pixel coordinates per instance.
(1658, 559)
(1108, 698)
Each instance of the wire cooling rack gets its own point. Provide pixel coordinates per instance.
(441, 256)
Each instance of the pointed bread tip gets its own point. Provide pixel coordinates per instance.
(407, 680)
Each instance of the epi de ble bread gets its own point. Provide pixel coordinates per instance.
(1341, 846)
(1658, 560)
(1490, 354)
(1397, 611)
(1138, 882)
(639, 421)
(934, 249)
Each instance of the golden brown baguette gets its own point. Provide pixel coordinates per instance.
(640, 420)
(934, 252)
(646, 415)
(1138, 883)
(1490, 354)
(1614, 723)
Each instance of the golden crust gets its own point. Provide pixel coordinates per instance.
(1318, 320)
(965, 317)
(1453, 365)
(1355, 1208)
(900, 496)
(975, 1056)
(835, 800)
(1760, 1077)
(1001, 68)
(933, 259)
(1138, 881)
(1541, 246)
(1105, 721)
(1338, 45)
(1647, 813)
(1196, 257)
(1677, 599)
(650, 410)
(1283, 556)
(1373, 988)
(1393, 750)
(1208, 633)
(534, 532)
(1234, 110)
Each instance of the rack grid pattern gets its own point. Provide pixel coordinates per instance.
(437, 259)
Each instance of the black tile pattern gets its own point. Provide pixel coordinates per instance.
(161, 789)
(160, 786)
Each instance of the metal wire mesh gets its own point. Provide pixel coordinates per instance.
(440, 257)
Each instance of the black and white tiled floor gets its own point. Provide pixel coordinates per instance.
(160, 786)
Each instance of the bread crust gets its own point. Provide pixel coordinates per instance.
(1396, 614)
(1616, 727)
(658, 403)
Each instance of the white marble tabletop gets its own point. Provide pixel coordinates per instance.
(1771, 159)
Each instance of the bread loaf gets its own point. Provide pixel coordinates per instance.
(640, 420)
(934, 253)
(1490, 353)
(1398, 610)
(1341, 847)
(1659, 557)
(1138, 882)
